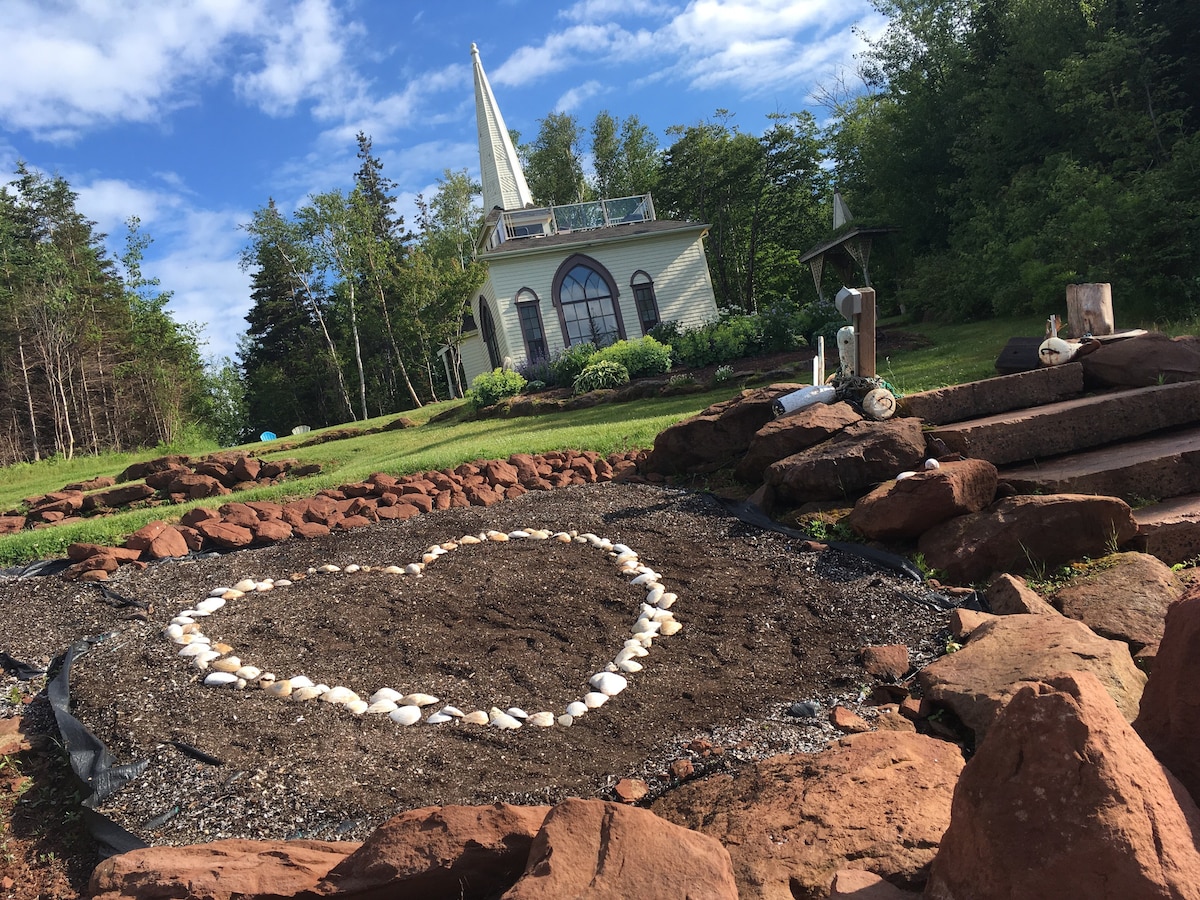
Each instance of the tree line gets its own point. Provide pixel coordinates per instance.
(1016, 146)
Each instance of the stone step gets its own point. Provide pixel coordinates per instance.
(1069, 426)
(1169, 530)
(990, 396)
(1153, 468)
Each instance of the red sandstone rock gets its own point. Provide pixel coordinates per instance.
(310, 529)
(118, 496)
(963, 622)
(792, 433)
(848, 721)
(850, 463)
(1019, 532)
(222, 870)
(11, 524)
(855, 884)
(247, 468)
(1169, 718)
(908, 508)
(1009, 595)
(271, 531)
(450, 851)
(878, 801)
(1145, 360)
(1003, 653)
(607, 851)
(1064, 800)
(888, 661)
(225, 536)
(1126, 600)
(631, 790)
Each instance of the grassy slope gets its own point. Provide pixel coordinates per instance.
(960, 353)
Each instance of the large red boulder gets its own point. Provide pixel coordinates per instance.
(850, 463)
(1004, 652)
(906, 509)
(792, 433)
(467, 852)
(1019, 533)
(609, 851)
(1064, 800)
(221, 870)
(1169, 718)
(877, 801)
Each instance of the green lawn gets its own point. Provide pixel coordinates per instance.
(959, 353)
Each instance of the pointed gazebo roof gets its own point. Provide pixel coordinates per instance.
(503, 181)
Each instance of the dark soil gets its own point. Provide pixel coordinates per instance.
(522, 623)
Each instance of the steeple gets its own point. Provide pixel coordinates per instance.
(503, 181)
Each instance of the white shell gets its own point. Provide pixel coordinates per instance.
(386, 694)
(499, 719)
(219, 591)
(394, 570)
(439, 718)
(646, 578)
(413, 569)
(211, 604)
(358, 707)
(609, 683)
(541, 719)
(249, 673)
(220, 679)
(246, 585)
(228, 664)
(173, 632)
(594, 699)
(406, 715)
(517, 712)
(576, 708)
(300, 681)
(352, 568)
(668, 600)
(476, 717)
(381, 706)
(279, 688)
(656, 593)
(904, 475)
(193, 650)
(566, 720)
(418, 700)
(932, 464)
(339, 694)
(629, 666)
(307, 693)
(453, 711)
(670, 628)
(328, 569)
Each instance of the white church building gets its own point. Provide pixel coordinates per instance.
(560, 275)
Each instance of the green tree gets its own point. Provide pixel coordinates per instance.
(553, 166)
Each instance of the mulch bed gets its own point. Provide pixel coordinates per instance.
(524, 623)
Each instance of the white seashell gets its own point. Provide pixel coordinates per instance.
(195, 613)
(386, 694)
(667, 600)
(453, 711)
(517, 535)
(562, 537)
(173, 632)
(202, 660)
(500, 719)
(478, 717)
(576, 708)
(339, 694)
(648, 578)
(645, 638)
(566, 720)
(220, 679)
(193, 650)
(246, 585)
(660, 616)
(469, 539)
(622, 549)
(219, 591)
(655, 594)
(610, 667)
(240, 684)
(539, 534)
(328, 569)
(193, 637)
(428, 558)
(630, 666)
(222, 648)
(541, 719)
(418, 700)
(517, 713)
(498, 536)
(357, 707)
(624, 558)
(307, 693)
(183, 620)
(625, 654)
(233, 594)
(645, 627)
(301, 681)
(263, 586)
(608, 683)
(448, 546)
(594, 699)
(406, 715)
(352, 568)
(279, 688)
(438, 718)
(227, 664)
(249, 673)
(282, 582)
(378, 707)
(670, 628)
(932, 464)
(394, 570)
(266, 678)
(413, 569)
(904, 475)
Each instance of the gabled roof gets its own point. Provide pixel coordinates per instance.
(500, 170)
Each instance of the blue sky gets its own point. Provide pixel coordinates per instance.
(190, 115)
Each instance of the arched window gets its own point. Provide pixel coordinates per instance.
(586, 298)
(644, 300)
(530, 316)
(487, 330)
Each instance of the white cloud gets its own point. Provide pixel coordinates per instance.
(109, 202)
(591, 10)
(576, 96)
(579, 44)
(70, 65)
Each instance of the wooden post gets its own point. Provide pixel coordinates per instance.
(1089, 310)
(864, 331)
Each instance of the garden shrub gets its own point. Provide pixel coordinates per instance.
(570, 361)
(601, 374)
(540, 368)
(644, 356)
(490, 388)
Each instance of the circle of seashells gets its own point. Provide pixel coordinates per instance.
(223, 668)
